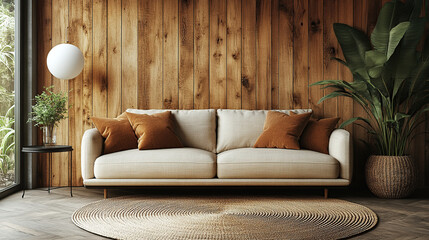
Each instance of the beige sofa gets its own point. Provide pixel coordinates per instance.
(218, 152)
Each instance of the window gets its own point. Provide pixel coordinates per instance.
(8, 159)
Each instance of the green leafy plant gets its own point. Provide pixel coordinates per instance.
(50, 108)
(7, 44)
(6, 97)
(7, 141)
(390, 74)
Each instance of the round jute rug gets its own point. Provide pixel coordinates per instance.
(142, 217)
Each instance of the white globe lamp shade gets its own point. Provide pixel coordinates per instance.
(65, 61)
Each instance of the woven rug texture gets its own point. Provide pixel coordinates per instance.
(142, 217)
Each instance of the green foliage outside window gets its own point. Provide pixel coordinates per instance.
(7, 53)
(7, 95)
(7, 141)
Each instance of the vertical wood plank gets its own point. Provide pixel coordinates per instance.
(87, 72)
(44, 77)
(201, 54)
(186, 56)
(330, 50)
(150, 54)
(345, 105)
(114, 68)
(275, 54)
(75, 35)
(129, 54)
(263, 51)
(171, 54)
(300, 55)
(373, 8)
(286, 19)
(217, 54)
(364, 14)
(248, 72)
(100, 58)
(59, 35)
(87, 84)
(233, 51)
(315, 47)
(142, 97)
(358, 14)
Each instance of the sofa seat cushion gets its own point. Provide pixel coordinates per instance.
(156, 163)
(276, 163)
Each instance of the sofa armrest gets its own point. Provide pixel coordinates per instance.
(91, 148)
(340, 147)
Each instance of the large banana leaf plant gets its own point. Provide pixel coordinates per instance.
(390, 74)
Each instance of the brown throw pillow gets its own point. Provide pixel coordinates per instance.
(154, 131)
(123, 116)
(316, 134)
(117, 132)
(282, 130)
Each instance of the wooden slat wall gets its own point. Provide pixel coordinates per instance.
(345, 105)
(330, 50)
(186, 54)
(300, 54)
(201, 54)
(129, 54)
(248, 47)
(286, 44)
(197, 54)
(217, 65)
(99, 60)
(114, 56)
(315, 62)
(150, 54)
(263, 54)
(171, 54)
(233, 51)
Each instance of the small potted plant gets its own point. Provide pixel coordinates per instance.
(391, 83)
(49, 110)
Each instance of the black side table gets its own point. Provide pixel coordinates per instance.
(50, 150)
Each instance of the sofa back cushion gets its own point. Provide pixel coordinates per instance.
(195, 128)
(241, 128)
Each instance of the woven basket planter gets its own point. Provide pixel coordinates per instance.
(391, 176)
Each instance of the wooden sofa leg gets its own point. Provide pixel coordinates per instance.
(106, 193)
(326, 193)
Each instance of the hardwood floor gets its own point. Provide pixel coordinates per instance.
(47, 216)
